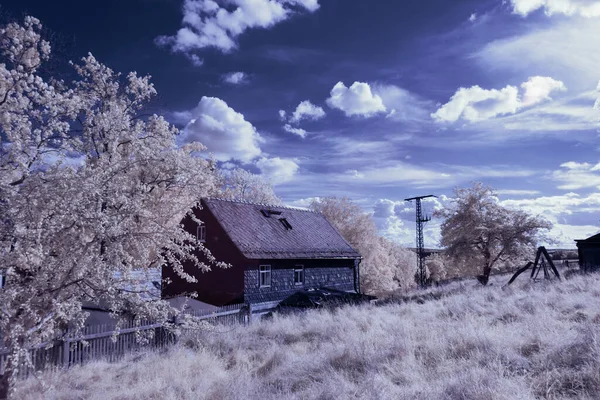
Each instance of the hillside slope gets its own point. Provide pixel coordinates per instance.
(525, 342)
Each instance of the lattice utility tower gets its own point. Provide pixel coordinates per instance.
(422, 277)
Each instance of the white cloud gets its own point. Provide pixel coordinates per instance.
(355, 173)
(355, 100)
(517, 192)
(296, 131)
(236, 78)
(222, 130)
(476, 104)
(306, 110)
(473, 17)
(228, 165)
(574, 175)
(538, 89)
(196, 61)
(303, 203)
(282, 114)
(584, 8)
(278, 170)
(563, 115)
(403, 105)
(427, 177)
(396, 220)
(565, 50)
(559, 210)
(206, 23)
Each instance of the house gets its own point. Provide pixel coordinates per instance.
(273, 251)
(589, 253)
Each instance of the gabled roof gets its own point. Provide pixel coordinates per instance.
(259, 232)
(591, 239)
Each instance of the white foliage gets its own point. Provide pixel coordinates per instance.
(239, 184)
(479, 229)
(385, 265)
(82, 231)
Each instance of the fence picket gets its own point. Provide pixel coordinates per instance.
(133, 335)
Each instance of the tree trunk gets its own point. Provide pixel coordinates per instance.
(487, 270)
(4, 385)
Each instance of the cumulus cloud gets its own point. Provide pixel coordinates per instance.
(476, 104)
(236, 78)
(296, 131)
(210, 23)
(224, 131)
(357, 99)
(278, 170)
(584, 8)
(473, 17)
(306, 110)
(538, 89)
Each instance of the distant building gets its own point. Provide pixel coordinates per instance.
(589, 253)
(273, 251)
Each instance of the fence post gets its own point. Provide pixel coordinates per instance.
(66, 350)
(249, 313)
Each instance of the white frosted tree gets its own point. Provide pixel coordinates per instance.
(239, 184)
(478, 229)
(437, 267)
(91, 194)
(383, 267)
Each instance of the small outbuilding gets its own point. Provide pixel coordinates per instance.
(589, 253)
(273, 251)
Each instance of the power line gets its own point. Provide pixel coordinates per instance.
(422, 277)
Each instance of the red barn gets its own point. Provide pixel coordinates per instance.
(274, 251)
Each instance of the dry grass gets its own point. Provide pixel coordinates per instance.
(525, 342)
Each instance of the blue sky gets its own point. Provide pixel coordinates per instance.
(376, 101)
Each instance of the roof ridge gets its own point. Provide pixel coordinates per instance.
(263, 204)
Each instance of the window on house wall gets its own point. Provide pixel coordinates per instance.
(201, 233)
(265, 275)
(299, 275)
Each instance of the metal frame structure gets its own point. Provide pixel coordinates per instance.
(422, 276)
(537, 266)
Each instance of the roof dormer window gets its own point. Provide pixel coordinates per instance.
(268, 213)
(285, 223)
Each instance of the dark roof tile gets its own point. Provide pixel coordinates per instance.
(261, 237)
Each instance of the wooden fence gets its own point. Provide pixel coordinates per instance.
(111, 342)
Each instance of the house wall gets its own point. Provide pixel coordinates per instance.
(218, 286)
(589, 257)
(334, 274)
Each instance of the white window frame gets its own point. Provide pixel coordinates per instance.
(201, 233)
(299, 267)
(264, 270)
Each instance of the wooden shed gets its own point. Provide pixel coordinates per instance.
(589, 253)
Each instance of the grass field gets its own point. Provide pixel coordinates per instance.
(528, 341)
